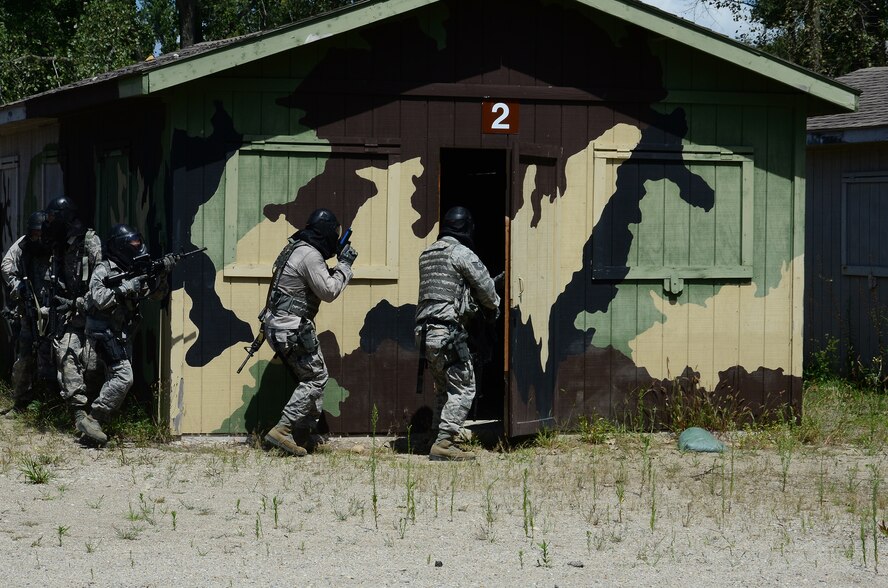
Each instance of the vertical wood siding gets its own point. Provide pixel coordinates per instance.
(847, 306)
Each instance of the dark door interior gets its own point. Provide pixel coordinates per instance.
(477, 179)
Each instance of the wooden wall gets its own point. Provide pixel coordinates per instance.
(847, 263)
(357, 124)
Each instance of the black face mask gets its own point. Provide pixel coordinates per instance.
(38, 247)
(326, 243)
(55, 231)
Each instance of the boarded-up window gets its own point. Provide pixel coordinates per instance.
(49, 178)
(865, 224)
(115, 188)
(270, 188)
(11, 227)
(659, 193)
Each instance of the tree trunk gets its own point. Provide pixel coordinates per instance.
(815, 35)
(189, 23)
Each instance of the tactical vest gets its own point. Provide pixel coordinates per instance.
(305, 303)
(75, 266)
(439, 279)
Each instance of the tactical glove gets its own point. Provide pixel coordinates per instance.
(63, 304)
(169, 261)
(130, 288)
(348, 255)
(490, 314)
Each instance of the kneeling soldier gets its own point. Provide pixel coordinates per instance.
(112, 316)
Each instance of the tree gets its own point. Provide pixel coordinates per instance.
(47, 43)
(831, 37)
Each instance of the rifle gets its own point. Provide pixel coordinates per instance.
(51, 301)
(144, 266)
(254, 347)
(32, 312)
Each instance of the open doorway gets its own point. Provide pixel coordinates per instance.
(478, 180)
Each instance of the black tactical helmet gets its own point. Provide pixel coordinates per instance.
(33, 242)
(62, 208)
(322, 231)
(458, 223)
(124, 244)
(61, 213)
(36, 220)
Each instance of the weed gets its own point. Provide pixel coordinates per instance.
(173, 515)
(92, 544)
(821, 365)
(527, 508)
(545, 559)
(62, 531)
(275, 504)
(548, 438)
(595, 431)
(374, 419)
(130, 534)
(34, 471)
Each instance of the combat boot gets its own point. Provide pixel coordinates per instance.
(447, 450)
(90, 427)
(281, 437)
(17, 410)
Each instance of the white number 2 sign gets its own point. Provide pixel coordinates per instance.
(500, 117)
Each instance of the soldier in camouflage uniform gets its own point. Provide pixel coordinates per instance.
(26, 272)
(301, 281)
(75, 252)
(453, 285)
(111, 317)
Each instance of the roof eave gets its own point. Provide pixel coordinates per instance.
(685, 32)
(248, 50)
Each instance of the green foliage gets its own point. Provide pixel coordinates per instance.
(34, 470)
(821, 365)
(832, 37)
(596, 430)
(109, 35)
(45, 44)
(76, 39)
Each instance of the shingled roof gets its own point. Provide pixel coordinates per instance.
(206, 59)
(873, 108)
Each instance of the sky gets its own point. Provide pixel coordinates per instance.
(719, 20)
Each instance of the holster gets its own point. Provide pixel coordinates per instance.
(303, 341)
(420, 368)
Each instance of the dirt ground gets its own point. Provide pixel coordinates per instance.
(630, 512)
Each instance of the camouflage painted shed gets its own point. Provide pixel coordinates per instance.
(846, 270)
(638, 178)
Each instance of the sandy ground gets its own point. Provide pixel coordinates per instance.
(634, 512)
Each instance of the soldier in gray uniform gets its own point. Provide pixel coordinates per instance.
(111, 317)
(453, 285)
(75, 252)
(25, 270)
(300, 282)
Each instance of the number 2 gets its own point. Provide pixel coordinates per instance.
(503, 109)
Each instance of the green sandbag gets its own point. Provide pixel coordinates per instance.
(701, 440)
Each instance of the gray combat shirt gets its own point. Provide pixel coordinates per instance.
(306, 268)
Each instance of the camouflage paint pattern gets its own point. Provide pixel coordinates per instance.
(236, 162)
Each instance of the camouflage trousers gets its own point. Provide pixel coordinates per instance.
(310, 370)
(113, 350)
(75, 359)
(454, 383)
(33, 368)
